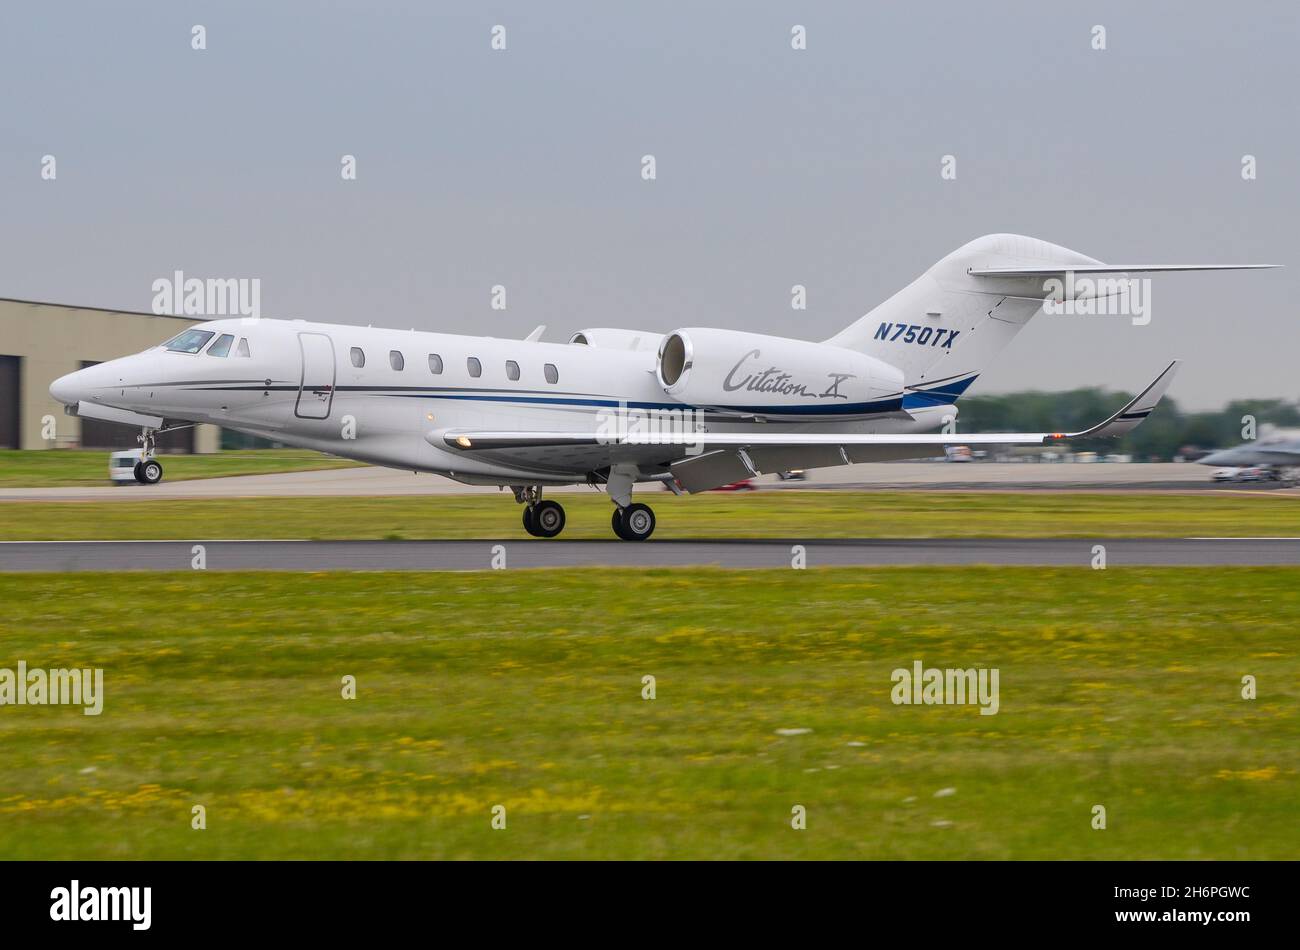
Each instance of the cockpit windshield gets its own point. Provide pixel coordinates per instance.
(189, 341)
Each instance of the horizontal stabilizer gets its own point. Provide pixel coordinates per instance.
(1052, 270)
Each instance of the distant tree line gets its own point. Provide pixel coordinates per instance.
(1168, 431)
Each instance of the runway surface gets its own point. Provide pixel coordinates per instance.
(218, 555)
(939, 476)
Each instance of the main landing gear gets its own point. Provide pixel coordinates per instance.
(148, 471)
(634, 523)
(542, 519)
(545, 519)
(631, 521)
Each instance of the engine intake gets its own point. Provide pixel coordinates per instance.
(674, 359)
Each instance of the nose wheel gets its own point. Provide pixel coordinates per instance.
(634, 522)
(148, 471)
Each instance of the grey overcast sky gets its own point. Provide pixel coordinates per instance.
(775, 167)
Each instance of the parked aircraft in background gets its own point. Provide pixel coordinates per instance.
(1274, 448)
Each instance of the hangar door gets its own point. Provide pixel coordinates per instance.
(97, 434)
(9, 374)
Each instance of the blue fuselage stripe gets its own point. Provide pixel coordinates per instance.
(854, 409)
(944, 394)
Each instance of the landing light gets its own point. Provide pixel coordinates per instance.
(463, 441)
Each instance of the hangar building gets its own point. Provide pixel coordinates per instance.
(39, 342)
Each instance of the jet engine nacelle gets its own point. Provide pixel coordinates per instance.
(751, 372)
(613, 338)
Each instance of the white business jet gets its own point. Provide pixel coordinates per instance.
(695, 409)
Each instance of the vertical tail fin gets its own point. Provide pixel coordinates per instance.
(943, 329)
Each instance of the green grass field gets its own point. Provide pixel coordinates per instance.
(772, 514)
(71, 467)
(523, 688)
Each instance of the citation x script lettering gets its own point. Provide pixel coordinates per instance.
(719, 405)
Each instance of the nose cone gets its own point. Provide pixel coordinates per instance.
(70, 389)
(88, 384)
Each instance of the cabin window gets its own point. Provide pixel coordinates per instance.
(396, 360)
(358, 357)
(242, 349)
(435, 364)
(552, 374)
(191, 341)
(512, 370)
(222, 346)
(475, 367)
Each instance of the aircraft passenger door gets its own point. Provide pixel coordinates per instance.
(316, 392)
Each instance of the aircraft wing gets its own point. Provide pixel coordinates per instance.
(704, 460)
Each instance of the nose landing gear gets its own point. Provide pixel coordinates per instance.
(148, 471)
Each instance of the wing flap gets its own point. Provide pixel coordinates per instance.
(704, 472)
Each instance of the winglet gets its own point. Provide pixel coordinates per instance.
(1132, 414)
(536, 334)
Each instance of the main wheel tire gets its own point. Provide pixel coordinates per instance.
(616, 522)
(150, 472)
(548, 519)
(637, 522)
(139, 477)
(529, 524)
